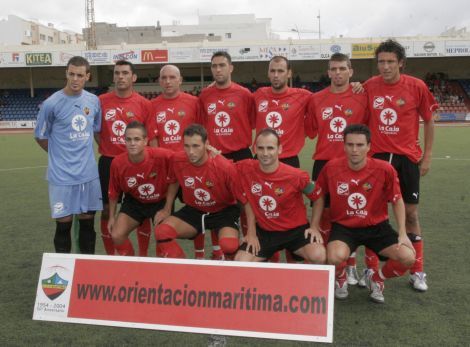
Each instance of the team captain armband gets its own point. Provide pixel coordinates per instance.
(309, 188)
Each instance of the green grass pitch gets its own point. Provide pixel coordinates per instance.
(438, 317)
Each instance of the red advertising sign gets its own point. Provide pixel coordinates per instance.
(284, 301)
(154, 56)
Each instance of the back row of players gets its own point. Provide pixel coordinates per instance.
(358, 187)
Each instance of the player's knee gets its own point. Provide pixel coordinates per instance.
(407, 258)
(62, 237)
(317, 254)
(165, 233)
(229, 245)
(244, 256)
(335, 258)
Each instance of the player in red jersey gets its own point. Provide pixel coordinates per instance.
(227, 112)
(172, 111)
(397, 102)
(277, 217)
(118, 108)
(141, 174)
(283, 109)
(209, 192)
(360, 189)
(330, 111)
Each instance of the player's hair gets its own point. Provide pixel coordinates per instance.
(357, 129)
(222, 54)
(339, 57)
(79, 61)
(391, 46)
(269, 131)
(196, 129)
(123, 62)
(279, 58)
(136, 125)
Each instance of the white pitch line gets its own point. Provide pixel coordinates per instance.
(456, 159)
(23, 168)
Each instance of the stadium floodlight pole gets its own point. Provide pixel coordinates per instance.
(319, 25)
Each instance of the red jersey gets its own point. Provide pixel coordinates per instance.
(117, 113)
(210, 187)
(358, 198)
(146, 181)
(395, 111)
(228, 116)
(329, 113)
(276, 198)
(169, 117)
(285, 113)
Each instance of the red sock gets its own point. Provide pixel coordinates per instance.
(340, 272)
(199, 241)
(243, 222)
(419, 263)
(170, 249)
(393, 268)
(290, 257)
(125, 249)
(106, 236)
(371, 260)
(276, 257)
(143, 237)
(352, 259)
(217, 253)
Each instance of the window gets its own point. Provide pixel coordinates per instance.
(228, 35)
(42, 37)
(50, 39)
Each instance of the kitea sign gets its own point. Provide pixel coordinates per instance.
(280, 301)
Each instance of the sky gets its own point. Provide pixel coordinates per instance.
(359, 18)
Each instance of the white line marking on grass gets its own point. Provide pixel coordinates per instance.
(23, 168)
(449, 158)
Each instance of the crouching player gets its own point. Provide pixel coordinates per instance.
(209, 192)
(359, 189)
(276, 213)
(141, 174)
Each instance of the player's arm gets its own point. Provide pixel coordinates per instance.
(43, 143)
(251, 238)
(425, 162)
(170, 199)
(97, 138)
(112, 214)
(398, 208)
(357, 87)
(313, 232)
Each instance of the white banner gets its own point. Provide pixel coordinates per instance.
(327, 50)
(304, 52)
(457, 48)
(428, 49)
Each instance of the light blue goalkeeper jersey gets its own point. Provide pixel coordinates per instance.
(68, 122)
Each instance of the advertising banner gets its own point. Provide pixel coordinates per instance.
(154, 56)
(457, 48)
(280, 301)
(183, 55)
(428, 49)
(328, 50)
(38, 59)
(304, 52)
(363, 50)
(97, 57)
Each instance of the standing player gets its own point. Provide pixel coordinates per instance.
(119, 107)
(209, 192)
(64, 129)
(141, 174)
(277, 217)
(360, 189)
(330, 111)
(227, 112)
(283, 109)
(397, 102)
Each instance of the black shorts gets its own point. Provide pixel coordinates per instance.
(408, 174)
(138, 210)
(376, 238)
(317, 167)
(228, 217)
(291, 161)
(104, 170)
(244, 153)
(273, 241)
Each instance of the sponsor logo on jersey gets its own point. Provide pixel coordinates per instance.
(222, 102)
(209, 184)
(342, 188)
(279, 191)
(356, 182)
(110, 114)
(131, 182)
(211, 108)
(58, 207)
(274, 119)
(337, 125)
(256, 188)
(161, 117)
(172, 127)
(146, 189)
(348, 112)
(367, 187)
(268, 204)
(357, 201)
(326, 113)
(400, 102)
(189, 181)
(118, 128)
(86, 110)
(222, 119)
(388, 116)
(79, 123)
(263, 106)
(202, 195)
(339, 107)
(285, 106)
(378, 103)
